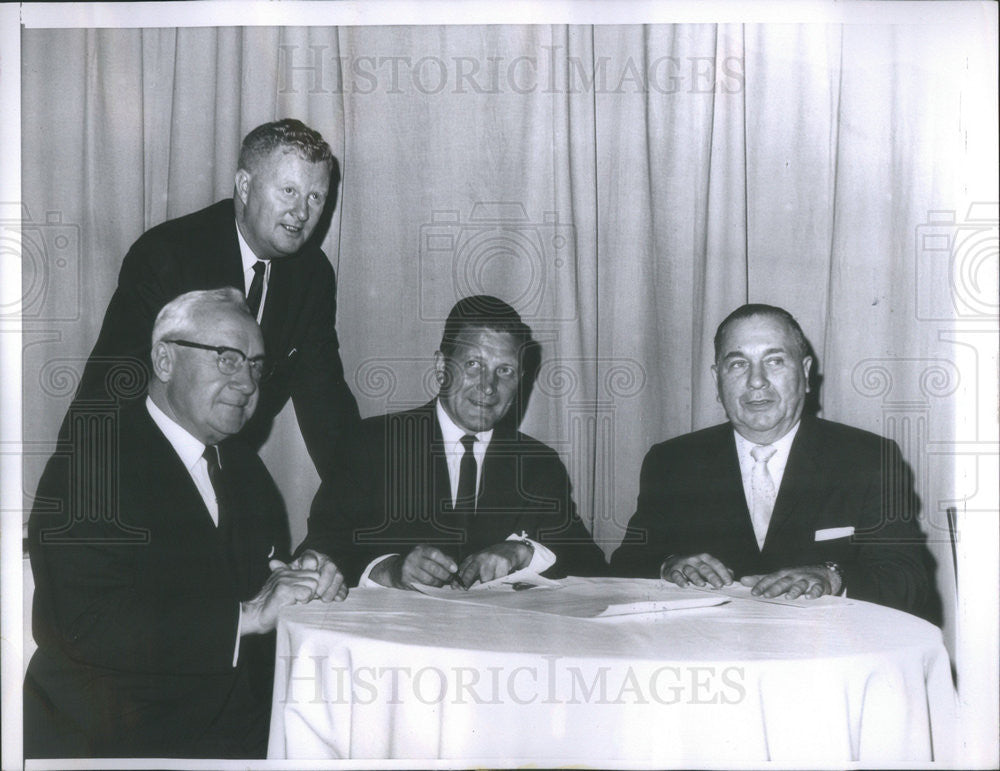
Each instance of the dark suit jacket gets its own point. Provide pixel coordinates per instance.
(691, 500)
(201, 251)
(400, 497)
(136, 603)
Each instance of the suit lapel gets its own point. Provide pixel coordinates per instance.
(734, 509)
(187, 508)
(801, 471)
(220, 236)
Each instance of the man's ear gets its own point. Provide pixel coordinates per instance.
(440, 367)
(806, 366)
(718, 386)
(242, 185)
(163, 362)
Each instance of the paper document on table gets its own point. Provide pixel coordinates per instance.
(658, 606)
(589, 598)
(517, 581)
(738, 591)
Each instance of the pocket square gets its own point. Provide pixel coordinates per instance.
(271, 553)
(831, 533)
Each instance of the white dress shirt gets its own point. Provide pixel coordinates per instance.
(542, 558)
(249, 260)
(775, 467)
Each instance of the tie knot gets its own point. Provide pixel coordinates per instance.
(467, 441)
(211, 456)
(762, 454)
(259, 267)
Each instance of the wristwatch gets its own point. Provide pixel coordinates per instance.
(835, 568)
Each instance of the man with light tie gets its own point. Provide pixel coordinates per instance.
(788, 504)
(452, 491)
(158, 577)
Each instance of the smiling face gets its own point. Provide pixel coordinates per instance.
(762, 377)
(192, 391)
(479, 378)
(280, 201)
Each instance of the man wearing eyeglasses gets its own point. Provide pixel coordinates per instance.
(157, 590)
(264, 242)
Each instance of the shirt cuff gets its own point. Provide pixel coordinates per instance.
(239, 628)
(541, 558)
(365, 582)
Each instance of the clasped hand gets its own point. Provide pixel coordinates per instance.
(810, 581)
(428, 565)
(310, 576)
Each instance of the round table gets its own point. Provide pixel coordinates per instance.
(395, 674)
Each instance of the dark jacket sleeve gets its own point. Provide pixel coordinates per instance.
(119, 367)
(642, 549)
(561, 530)
(888, 560)
(324, 405)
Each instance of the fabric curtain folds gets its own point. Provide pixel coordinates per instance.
(624, 187)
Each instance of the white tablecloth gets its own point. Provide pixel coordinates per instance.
(393, 674)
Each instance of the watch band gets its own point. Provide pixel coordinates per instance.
(835, 568)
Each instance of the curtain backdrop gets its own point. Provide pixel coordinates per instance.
(624, 187)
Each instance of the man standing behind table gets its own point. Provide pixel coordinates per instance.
(157, 591)
(259, 242)
(790, 504)
(451, 491)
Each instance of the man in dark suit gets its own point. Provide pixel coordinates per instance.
(789, 504)
(259, 242)
(157, 588)
(452, 491)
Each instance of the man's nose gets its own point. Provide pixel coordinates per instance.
(488, 381)
(757, 377)
(301, 209)
(242, 380)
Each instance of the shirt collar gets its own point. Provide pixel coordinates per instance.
(247, 255)
(783, 445)
(185, 445)
(452, 434)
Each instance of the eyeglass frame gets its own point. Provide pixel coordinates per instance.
(264, 370)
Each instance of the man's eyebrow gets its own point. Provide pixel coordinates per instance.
(738, 354)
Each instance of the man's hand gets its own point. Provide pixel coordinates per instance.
(698, 569)
(284, 586)
(810, 581)
(423, 565)
(495, 561)
(330, 585)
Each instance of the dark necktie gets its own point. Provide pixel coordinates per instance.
(465, 501)
(211, 456)
(256, 287)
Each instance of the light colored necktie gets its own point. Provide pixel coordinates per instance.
(762, 492)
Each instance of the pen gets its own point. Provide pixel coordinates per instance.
(458, 579)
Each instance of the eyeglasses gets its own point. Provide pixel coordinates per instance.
(231, 360)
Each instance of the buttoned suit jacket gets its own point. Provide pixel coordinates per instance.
(136, 602)
(691, 500)
(201, 251)
(401, 497)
